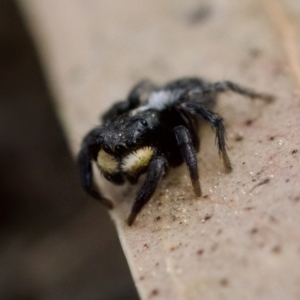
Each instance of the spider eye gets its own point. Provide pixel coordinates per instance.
(120, 149)
(106, 148)
(131, 143)
(144, 122)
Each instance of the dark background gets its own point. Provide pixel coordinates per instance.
(55, 242)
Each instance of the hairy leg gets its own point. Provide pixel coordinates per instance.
(188, 152)
(216, 122)
(225, 86)
(192, 125)
(155, 173)
(90, 145)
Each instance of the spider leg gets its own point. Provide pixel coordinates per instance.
(225, 86)
(140, 91)
(216, 121)
(192, 125)
(85, 156)
(135, 96)
(156, 171)
(184, 141)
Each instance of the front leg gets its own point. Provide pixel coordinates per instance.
(156, 171)
(185, 144)
(90, 146)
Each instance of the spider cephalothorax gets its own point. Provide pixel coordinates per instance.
(154, 129)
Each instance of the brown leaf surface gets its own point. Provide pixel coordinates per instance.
(242, 240)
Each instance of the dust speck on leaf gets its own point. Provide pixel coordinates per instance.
(206, 218)
(249, 208)
(224, 282)
(255, 52)
(276, 249)
(199, 15)
(249, 122)
(239, 138)
(254, 231)
(214, 247)
(200, 252)
(154, 292)
(262, 182)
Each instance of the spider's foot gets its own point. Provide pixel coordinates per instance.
(131, 218)
(226, 161)
(197, 187)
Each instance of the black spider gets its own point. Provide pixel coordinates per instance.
(154, 129)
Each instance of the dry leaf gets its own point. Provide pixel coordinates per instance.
(240, 241)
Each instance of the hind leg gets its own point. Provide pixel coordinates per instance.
(225, 86)
(135, 97)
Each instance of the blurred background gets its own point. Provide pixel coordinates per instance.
(56, 243)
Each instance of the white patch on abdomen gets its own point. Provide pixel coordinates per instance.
(159, 100)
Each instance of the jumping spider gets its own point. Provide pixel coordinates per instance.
(155, 128)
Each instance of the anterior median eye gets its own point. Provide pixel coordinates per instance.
(144, 122)
(106, 148)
